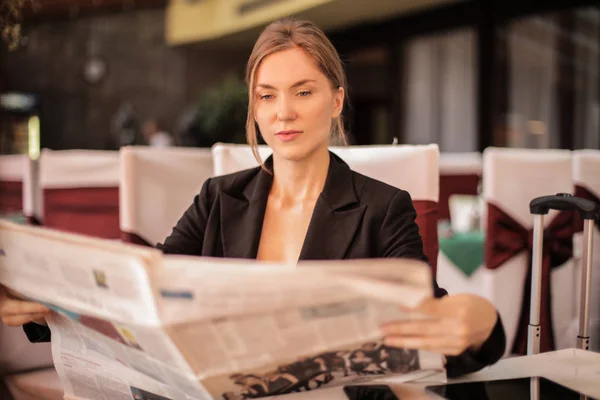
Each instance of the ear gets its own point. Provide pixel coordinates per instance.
(338, 102)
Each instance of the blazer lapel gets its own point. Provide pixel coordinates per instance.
(334, 223)
(336, 218)
(242, 217)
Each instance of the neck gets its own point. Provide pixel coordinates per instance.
(298, 182)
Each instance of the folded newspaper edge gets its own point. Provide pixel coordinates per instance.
(131, 323)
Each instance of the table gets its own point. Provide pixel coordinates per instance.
(573, 368)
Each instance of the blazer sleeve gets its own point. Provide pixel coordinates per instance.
(399, 237)
(187, 236)
(37, 333)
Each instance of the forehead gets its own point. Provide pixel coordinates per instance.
(287, 67)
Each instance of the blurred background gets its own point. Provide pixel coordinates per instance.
(100, 74)
(480, 79)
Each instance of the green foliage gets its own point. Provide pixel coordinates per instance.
(10, 22)
(221, 112)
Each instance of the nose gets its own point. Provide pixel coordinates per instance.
(285, 109)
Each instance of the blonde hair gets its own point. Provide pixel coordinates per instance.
(286, 34)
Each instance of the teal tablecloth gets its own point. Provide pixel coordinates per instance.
(17, 218)
(465, 250)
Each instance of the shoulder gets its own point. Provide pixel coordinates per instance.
(379, 195)
(234, 183)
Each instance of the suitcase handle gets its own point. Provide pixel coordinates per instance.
(564, 201)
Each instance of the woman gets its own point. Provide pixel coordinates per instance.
(305, 203)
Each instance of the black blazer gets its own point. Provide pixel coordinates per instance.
(354, 217)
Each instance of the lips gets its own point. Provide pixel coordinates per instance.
(288, 135)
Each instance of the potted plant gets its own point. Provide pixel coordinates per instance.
(10, 22)
(218, 116)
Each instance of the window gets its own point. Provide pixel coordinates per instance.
(553, 87)
(369, 92)
(440, 86)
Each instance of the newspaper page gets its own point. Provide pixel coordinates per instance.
(130, 323)
(105, 328)
(249, 330)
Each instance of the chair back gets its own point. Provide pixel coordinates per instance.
(157, 186)
(80, 191)
(511, 179)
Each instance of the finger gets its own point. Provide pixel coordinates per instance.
(438, 342)
(431, 327)
(435, 344)
(11, 294)
(18, 320)
(446, 306)
(15, 307)
(410, 328)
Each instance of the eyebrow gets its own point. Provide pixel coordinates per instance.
(295, 85)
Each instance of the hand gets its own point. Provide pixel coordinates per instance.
(16, 312)
(457, 323)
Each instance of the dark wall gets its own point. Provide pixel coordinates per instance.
(157, 80)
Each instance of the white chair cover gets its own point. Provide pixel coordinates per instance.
(157, 186)
(511, 179)
(11, 167)
(65, 169)
(32, 192)
(411, 168)
(461, 163)
(229, 158)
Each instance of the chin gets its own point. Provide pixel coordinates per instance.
(297, 150)
(291, 152)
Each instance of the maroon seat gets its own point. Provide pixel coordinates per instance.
(80, 192)
(460, 173)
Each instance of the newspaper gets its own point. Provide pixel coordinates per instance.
(131, 323)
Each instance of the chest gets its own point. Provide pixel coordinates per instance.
(283, 233)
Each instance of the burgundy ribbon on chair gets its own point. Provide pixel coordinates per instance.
(133, 238)
(427, 220)
(11, 197)
(505, 239)
(91, 211)
(583, 192)
(455, 184)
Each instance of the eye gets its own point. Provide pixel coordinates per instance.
(304, 93)
(266, 96)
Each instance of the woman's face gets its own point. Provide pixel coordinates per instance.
(294, 104)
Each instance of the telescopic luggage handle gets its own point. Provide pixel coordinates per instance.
(587, 209)
(590, 212)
